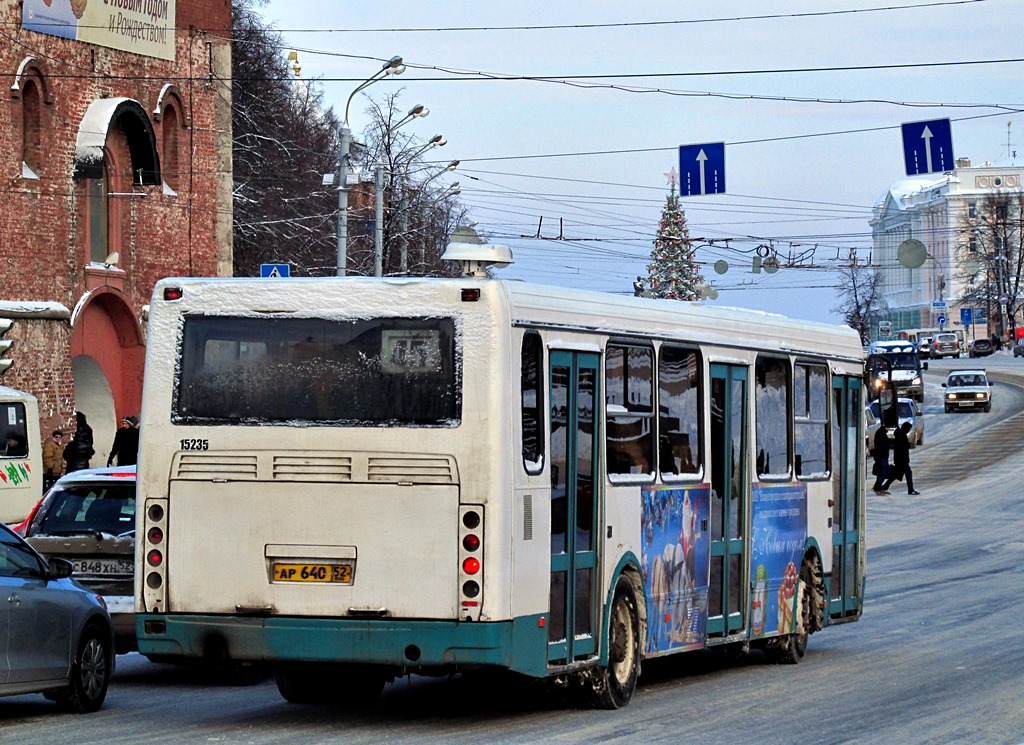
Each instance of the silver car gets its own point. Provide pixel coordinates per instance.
(58, 637)
(908, 411)
(88, 518)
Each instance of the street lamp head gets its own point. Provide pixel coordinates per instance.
(452, 166)
(438, 140)
(418, 110)
(393, 66)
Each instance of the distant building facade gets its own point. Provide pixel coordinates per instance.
(115, 158)
(932, 209)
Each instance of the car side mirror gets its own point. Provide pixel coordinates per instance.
(924, 365)
(60, 568)
(943, 385)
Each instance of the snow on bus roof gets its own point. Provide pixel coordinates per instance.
(533, 303)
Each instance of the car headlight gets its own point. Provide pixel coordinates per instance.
(980, 395)
(916, 381)
(951, 397)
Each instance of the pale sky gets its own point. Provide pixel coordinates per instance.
(536, 149)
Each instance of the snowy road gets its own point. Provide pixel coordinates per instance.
(936, 658)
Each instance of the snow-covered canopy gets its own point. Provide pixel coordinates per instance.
(92, 139)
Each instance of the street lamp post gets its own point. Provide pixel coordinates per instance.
(393, 66)
(417, 111)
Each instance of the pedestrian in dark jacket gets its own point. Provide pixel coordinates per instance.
(126, 443)
(881, 456)
(78, 452)
(901, 460)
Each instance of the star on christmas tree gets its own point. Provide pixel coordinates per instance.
(673, 272)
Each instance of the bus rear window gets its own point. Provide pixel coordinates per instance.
(366, 372)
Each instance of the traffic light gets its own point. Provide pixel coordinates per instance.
(5, 344)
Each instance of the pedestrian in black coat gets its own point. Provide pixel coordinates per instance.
(901, 460)
(78, 452)
(126, 443)
(881, 456)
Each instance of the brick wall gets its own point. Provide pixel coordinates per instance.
(44, 222)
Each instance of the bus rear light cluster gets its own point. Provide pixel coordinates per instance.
(155, 552)
(471, 530)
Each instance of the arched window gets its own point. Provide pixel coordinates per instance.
(105, 199)
(31, 125)
(169, 127)
(99, 232)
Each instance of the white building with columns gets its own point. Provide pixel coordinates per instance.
(932, 209)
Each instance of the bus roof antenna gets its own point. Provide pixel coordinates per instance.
(473, 254)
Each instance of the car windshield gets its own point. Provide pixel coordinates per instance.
(959, 381)
(88, 508)
(904, 408)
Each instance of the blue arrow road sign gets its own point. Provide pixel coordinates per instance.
(965, 316)
(275, 270)
(941, 320)
(702, 169)
(928, 147)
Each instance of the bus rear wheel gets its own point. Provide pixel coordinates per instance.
(329, 685)
(792, 648)
(613, 684)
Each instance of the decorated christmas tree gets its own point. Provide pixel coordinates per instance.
(673, 272)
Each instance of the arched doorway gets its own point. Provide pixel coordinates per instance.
(107, 357)
(94, 398)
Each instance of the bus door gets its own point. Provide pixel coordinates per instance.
(726, 607)
(574, 400)
(847, 492)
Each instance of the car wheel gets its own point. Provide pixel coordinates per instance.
(949, 409)
(614, 684)
(988, 407)
(90, 673)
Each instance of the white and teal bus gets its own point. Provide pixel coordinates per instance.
(353, 479)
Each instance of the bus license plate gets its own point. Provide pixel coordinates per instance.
(123, 567)
(341, 574)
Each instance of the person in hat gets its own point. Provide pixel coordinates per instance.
(126, 443)
(53, 458)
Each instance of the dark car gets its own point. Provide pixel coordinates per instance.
(1018, 348)
(58, 637)
(980, 348)
(88, 518)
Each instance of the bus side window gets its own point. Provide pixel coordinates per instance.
(629, 409)
(810, 414)
(771, 401)
(532, 401)
(680, 445)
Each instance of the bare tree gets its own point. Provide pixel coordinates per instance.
(991, 258)
(284, 141)
(419, 212)
(858, 293)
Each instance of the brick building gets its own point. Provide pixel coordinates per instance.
(115, 169)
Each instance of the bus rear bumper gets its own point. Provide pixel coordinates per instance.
(519, 644)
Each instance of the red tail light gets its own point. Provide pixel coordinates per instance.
(471, 565)
(155, 558)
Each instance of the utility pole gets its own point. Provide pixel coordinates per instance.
(403, 266)
(343, 150)
(378, 218)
